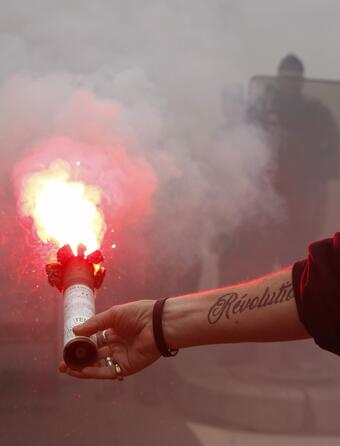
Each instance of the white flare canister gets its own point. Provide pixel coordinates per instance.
(79, 306)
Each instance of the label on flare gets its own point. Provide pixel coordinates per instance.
(78, 307)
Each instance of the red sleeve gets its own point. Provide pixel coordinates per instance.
(316, 282)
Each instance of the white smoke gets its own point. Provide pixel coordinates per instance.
(164, 65)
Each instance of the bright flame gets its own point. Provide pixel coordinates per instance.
(64, 211)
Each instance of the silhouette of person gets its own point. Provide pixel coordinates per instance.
(305, 140)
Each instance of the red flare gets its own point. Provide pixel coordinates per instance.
(56, 271)
(64, 254)
(95, 257)
(81, 250)
(99, 277)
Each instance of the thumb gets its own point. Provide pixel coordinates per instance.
(100, 321)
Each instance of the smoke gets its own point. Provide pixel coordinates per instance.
(150, 97)
(126, 141)
(143, 114)
(164, 85)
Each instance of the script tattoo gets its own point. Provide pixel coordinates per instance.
(235, 303)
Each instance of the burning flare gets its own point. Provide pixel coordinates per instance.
(64, 211)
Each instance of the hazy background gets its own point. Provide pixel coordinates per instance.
(178, 73)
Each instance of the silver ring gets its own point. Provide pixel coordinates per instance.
(102, 338)
(105, 336)
(109, 361)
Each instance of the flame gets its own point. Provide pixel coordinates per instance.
(64, 211)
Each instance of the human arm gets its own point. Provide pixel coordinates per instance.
(314, 311)
(262, 310)
(258, 311)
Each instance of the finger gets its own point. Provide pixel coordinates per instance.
(101, 338)
(99, 372)
(75, 373)
(100, 321)
(104, 352)
(108, 337)
(62, 367)
(101, 363)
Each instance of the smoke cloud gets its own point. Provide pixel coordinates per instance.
(150, 97)
(164, 83)
(112, 88)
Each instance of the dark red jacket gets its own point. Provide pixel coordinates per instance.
(316, 282)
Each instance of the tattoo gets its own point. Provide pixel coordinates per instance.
(234, 303)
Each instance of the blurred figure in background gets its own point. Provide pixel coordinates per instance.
(304, 137)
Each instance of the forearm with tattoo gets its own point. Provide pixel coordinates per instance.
(261, 310)
(233, 303)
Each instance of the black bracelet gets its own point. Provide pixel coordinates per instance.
(158, 329)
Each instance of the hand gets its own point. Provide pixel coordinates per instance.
(130, 340)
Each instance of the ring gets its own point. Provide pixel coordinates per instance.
(102, 338)
(105, 336)
(119, 372)
(110, 363)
